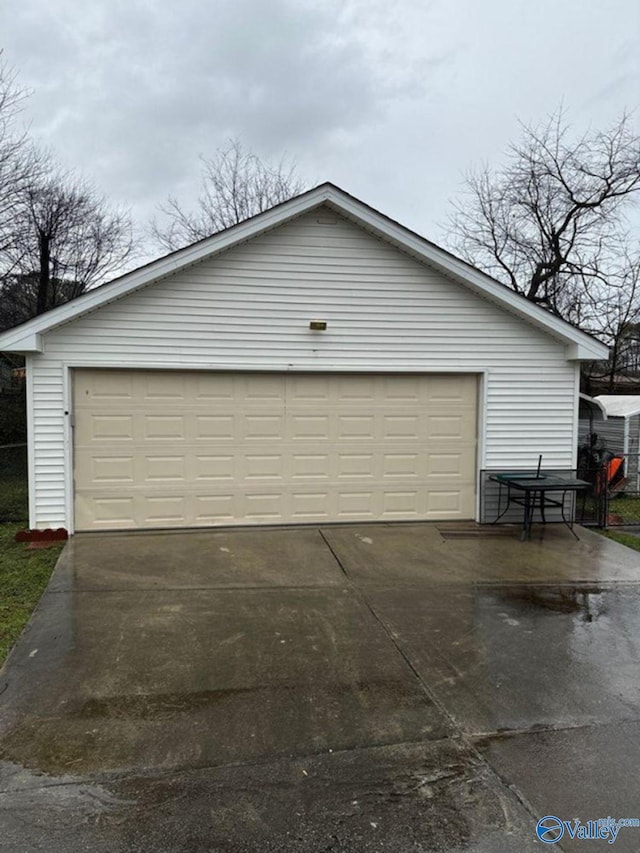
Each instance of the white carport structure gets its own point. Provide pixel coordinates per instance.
(592, 411)
(622, 431)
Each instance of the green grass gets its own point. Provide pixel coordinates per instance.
(23, 573)
(14, 500)
(23, 576)
(625, 509)
(623, 538)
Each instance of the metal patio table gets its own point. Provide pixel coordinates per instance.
(539, 490)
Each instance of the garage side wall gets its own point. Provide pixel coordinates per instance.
(249, 309)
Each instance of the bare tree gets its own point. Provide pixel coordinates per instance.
(236, 184)
(64, 239)
(552, 212)
(610, 309)
(19, 161)
(58, 236)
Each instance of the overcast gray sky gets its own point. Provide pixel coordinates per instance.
(392, 101)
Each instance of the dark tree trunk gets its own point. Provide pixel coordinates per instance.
(613, 359)
(44, 273)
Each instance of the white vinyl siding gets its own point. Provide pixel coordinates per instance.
(250, 307)
(49, 435)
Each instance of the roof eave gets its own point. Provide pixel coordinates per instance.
(591, 350)
(25, 344)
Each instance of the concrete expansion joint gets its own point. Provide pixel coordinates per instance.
(147, 590)
(457, 733)
(334, 555)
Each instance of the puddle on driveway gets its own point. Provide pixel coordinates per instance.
(586, 602)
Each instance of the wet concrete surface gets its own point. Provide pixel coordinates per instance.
(372, 687)
(586, 772)
(255, 672)
(512, 657)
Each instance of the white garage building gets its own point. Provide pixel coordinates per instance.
(316, 363)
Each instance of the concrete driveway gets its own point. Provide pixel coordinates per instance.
(408, 687)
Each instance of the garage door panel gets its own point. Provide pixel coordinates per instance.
(261, 388)
(164, 388)
(308, 427)
(213, 387)
(356, 389)
(310, 466)
(111, 469)
(404, 465)
(104, 386)
(209, 509)
(357, 465)
(109, 427)
(356, 427)
(161, 469)
(447, 427)
(402, 427)
(261, 467)
(105, 512)
(404, 389)
(309, 391)
(360, 503)
(451, 428)
(310, 506)
(446, 465)
(265, 506)
(443, 503)
(213, 468)
(155, 449)
(214, 427)
(160, 510)
(267, 426)
(164, 427)
(401, 503)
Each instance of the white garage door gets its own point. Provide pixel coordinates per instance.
(169, 449)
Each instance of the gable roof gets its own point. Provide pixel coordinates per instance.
(28, 337)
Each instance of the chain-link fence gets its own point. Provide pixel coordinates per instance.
(613, 498)
(14, 502)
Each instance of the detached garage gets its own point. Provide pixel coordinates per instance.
(316, 363)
